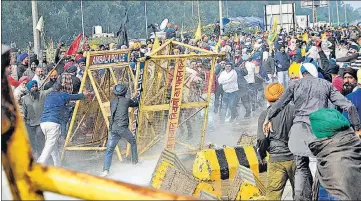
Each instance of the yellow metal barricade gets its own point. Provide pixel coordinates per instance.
(28, 180)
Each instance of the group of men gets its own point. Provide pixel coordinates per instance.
(299, 74)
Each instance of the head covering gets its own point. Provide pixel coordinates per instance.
(31, 84)
(23, 56)
(71, 69)
(67, 65)
(328, 122)
(24, 79)
(79, 59)
(273, 92)
(120, 90)
(309, 68)
(337, 82)
(294, 70)
(229, 64)
(359, 76)
(355, 47)
(54, 73)
(350, 71)
(36, 61)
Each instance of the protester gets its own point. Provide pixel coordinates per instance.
(280, 167)
(336, 148)
(349, 81)
(228, 80)
(39, 76)
(119, 126)
(69, 81)
(355, 97)
(51, 119)
(30, 72)
(24, 60)
(300, 134)
(20, 91)
(52, 80)
(32, 109)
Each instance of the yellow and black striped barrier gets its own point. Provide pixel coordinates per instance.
(221, 164)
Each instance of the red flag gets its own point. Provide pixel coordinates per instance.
(73, 49)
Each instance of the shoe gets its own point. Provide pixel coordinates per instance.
(104, 173)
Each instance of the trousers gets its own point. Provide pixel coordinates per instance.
(52, 132)
(229, 102)
(303, 179)
(113, 139)
(37, 139)
(277, 175)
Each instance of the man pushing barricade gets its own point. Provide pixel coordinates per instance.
(119, 126)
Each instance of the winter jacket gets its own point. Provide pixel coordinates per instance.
(269, 65)
(228, 80)
(282, 61)
(29, 73)
(278, 139)
(119, 117)
(55, 106)
(33, 109)
(21, 69)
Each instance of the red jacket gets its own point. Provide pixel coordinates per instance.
(13, 82)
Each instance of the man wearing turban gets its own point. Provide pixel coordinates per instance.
(281, 166)
(308, 94)
(32, 108)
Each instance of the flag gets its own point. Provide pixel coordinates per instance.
(73, 49)
(236, 39)
(40, 25)
(156, 44)
(305, 37)
(274, 24)
(198, 34)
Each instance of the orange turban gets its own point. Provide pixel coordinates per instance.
(273, 92)
(54, 73)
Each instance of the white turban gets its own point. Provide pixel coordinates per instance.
(310, 68)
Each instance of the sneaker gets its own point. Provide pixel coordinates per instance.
(104, 173)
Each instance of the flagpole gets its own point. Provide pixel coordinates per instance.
(82, 18)
(220, 17)
(329, 13)
(344, 5)
(338, 17)
(146, 19)
(192, 9)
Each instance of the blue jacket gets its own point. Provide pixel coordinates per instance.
(282, 61)
(355, 99)
(55, 105)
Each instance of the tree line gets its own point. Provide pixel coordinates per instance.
(62, 19)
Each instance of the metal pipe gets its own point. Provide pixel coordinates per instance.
(220, 16)
(82, 18)
(84, 186)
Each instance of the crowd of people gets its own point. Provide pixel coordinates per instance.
(310, 78)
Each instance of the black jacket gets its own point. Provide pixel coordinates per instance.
(21, 68)
(119, 117)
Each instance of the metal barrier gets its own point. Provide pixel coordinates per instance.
(28, 180)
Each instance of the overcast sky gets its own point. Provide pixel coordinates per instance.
(355, 4)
